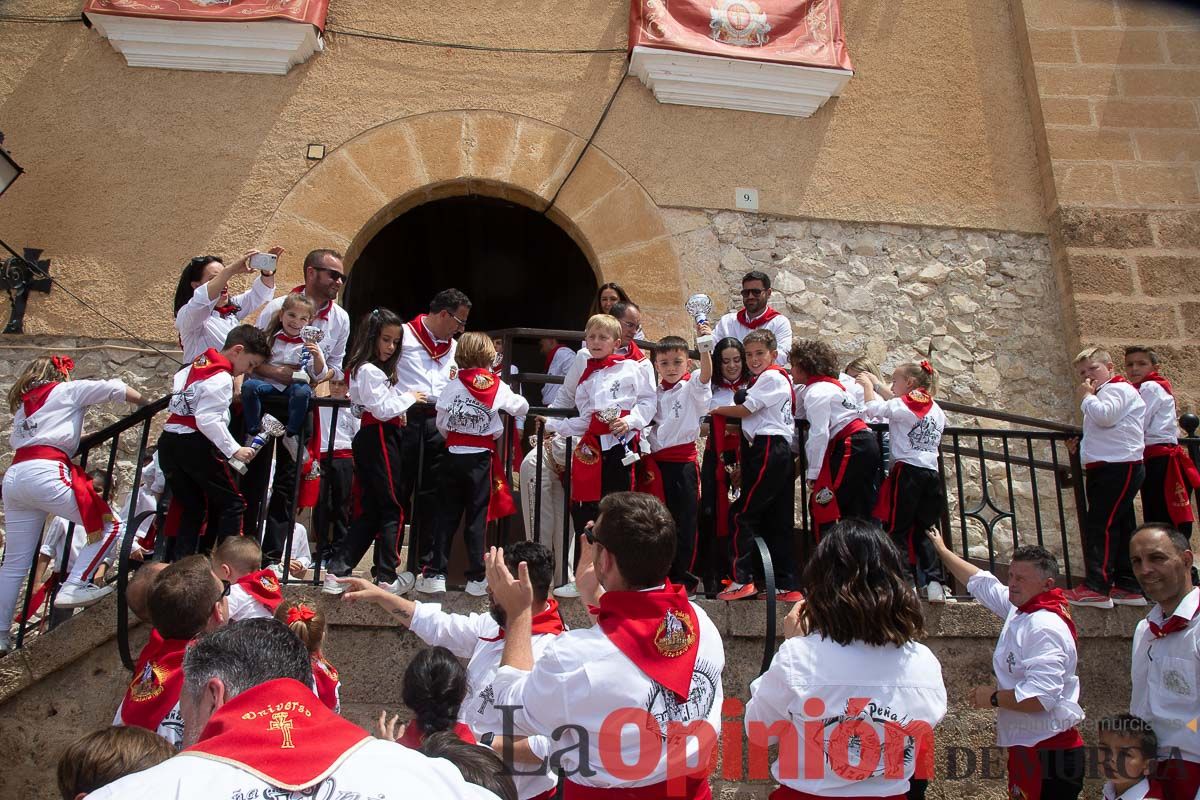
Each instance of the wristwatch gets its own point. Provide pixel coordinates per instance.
(995, 701)
(486, 739)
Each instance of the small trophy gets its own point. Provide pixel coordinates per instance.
(311, 335)
(733, 477)
(611, 415)
(271, 429)
(700, 306)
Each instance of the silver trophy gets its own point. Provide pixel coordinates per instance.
(311, 335)
(700, 306)
(271, 429)
(611, 415)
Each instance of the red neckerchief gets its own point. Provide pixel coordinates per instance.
(207, 364)
(281, 733)
(546, 622)
(283, 337)
(263, 586)
(436, 351)
(157, 681)
(657, 630)
(553, 353)
(1113, 379)
(759, 321)
(1156, 378)
(36, 397)
(666, 387)
(597, 364)
(918, 402)
(635, 353)
(1173, 625)
(326, 679)
(482, 384)
(732, 386)
(324, 312)
(1053, 601)
(413, 735)
(227, 310)
(817, 379)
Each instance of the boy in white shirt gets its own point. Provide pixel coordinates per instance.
(1128, 748)
(253, 592)
(337, 469)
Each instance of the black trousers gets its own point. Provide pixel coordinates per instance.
(1062, 771)
(201, 482)
(420, 430)
(766, 509)
(280, 510)
(1109, 524)
(858, 489)
(376, 451)
(916, 499)
(1154, 495)
(714, 559)
(333, 508)
(614, 477)
(681, 487)
(464, 487)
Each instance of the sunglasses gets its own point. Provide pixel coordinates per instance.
(589, 533)
(752, 292)
(225, 587)
(334, 275)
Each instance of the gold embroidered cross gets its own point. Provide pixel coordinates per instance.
(280, 722)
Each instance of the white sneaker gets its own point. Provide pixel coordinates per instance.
(935, 592)
(404, 583)
(567, 590)
(477, 588)
(331, 586)
(431, 584)
(81, 595)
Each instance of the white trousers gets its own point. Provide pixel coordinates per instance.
(551, 511)
(33, 490)
(85, 558)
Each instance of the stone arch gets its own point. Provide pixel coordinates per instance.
(372, 179)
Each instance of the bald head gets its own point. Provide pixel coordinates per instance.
(137, 593)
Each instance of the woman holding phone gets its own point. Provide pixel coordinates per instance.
(205, 313)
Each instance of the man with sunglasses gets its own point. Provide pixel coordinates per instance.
(186, 599)
(756, 313)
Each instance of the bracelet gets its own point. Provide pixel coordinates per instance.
(995, 701)
(487, 738)
(270, 274)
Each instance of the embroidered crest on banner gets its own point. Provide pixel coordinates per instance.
(675, 634)
(483, 381)
(586, 454)
(739, 22)
(149, 684)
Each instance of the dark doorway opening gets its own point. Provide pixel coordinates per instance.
(518, 268)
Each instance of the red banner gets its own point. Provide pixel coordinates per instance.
(798, 32)
(310, 11)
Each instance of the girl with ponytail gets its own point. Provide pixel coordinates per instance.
(308, 624)
(435, 686)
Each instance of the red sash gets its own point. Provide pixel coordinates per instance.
(1177, 779)
(586, 470)
(723, 439)
(547, 621)
(918, 402)
(281, 733)
(264, 587)
(657, 630)
(207, 364)
(413, 735)
(500, 501)
(326, 679)
(825, 513)
(436, 351)
(885, 505)
(1055, 602)
(369, 419)
(695, 788)
(1180, 479)
(788, 793)
(40, 597)
(93, 511)
(759, 321)
(649, 474)
(1025, 768)
(157, 681)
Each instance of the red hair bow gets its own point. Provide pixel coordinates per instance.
(300, 613)
(63, 364)
(927, 367)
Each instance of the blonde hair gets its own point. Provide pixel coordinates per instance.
(290, 301)
(1090, 354)
(104, 756)
(38, 372)
(474, 350)
(240, 553)
(310, 631)
(863, 364)
(925, 376)
(605, 323)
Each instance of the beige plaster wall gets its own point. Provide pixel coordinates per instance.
(133, 170)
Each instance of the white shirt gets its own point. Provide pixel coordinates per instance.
(149, 491)
(1036, 657)
(885, 687)
(582, 677)
(371, 392)
(420, 372)
(286, 354)
(721, 395)
(780, 326)
(1113, 424)
(377, 769)
(347, 426)
(1136, 792)
(854, 388)
(560, 363)
(913, 441)
(208, 401)
(828, 409)
(467, 636)
(769, 401)
(1159, 423)
(59, 422)
(625, 386)
(565, 398)
(680, 409)
(171, 727)
(333, 320)
(1166, 674)
(201, 327)
(459, 412)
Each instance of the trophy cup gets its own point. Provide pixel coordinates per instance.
(700, 306)
(311, 335)
(611, 415)
(733, 488)
(271, 429)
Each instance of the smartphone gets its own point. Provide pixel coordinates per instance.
(264, 262)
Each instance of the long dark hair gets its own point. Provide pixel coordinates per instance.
(191, 273)
(366, 350)
(856, 590)
(435, 685)
(622, 295)
(722, 346)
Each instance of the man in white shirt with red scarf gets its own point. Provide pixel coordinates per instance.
(755, 313)
(634, 702)
(1166, 656)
